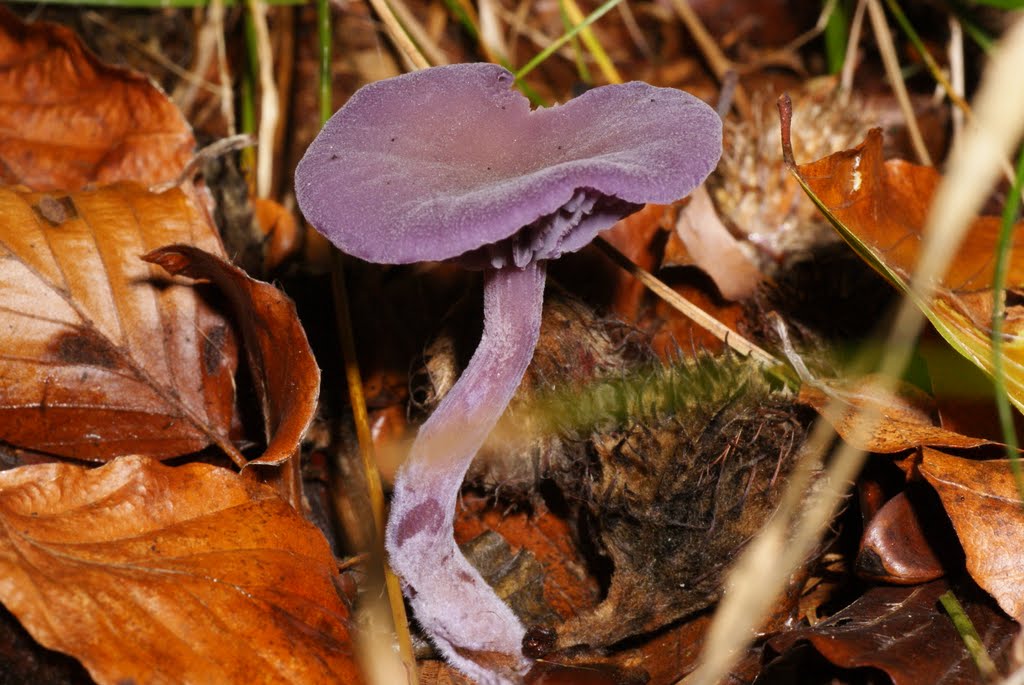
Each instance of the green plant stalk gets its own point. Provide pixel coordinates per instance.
(248, 96)
(1003, 249)
(555, 45)
(324, 36)
(836, 35)
(972, 641)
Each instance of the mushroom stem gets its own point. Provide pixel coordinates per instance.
(465, 619)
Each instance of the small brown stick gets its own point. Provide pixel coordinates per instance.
(690, 310)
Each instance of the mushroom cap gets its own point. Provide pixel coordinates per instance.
(435, 163)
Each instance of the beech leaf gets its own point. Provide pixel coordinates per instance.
(69, 120)
(904, 415)
(879, 207)
(904, 632)
(284, 371)
(981, 500)
(103, 354)
(153, 574)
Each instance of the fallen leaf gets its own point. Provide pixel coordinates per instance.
(982, 501)
(280, 231)
(634, 236)
(709, 245)
(905, 415)
(905, 633)
(69, 120)
(568, 587)
(152, 574)
(879, 207)
(284, 371)
(103, 354)
(905, 542)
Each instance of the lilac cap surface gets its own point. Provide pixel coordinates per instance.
(440, 162)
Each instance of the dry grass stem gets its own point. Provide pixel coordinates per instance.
(269, 113)
(956, 72)
(815, 31)
(407, 49)
(414, 29)
(887, 49)
(492, 42)
(850, 58)
(215, 17)
(635, 33)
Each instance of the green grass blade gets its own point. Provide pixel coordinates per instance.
(998, 319)
(968, 633)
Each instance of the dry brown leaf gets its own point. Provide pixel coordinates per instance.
(905, 416)
(153, 574)
(904, 632)
(896, 546)
(69, 120)
(708, 244)
(981, 499)
(879, 207)
(284, 371)
(280, 230)
(103, 354)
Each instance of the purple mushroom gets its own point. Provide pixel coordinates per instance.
(451, 163)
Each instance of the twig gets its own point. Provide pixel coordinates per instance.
(690, 310)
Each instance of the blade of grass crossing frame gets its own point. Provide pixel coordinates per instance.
(998, 319)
